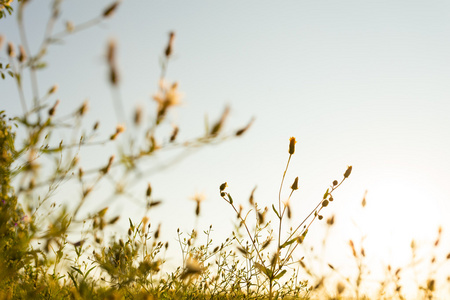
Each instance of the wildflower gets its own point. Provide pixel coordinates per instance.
(168, 96)
(292, 142)
(5, 2)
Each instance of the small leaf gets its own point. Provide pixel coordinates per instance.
(287, 243)
(278, 215)
(102, 212)
(326, 194)
(231, 199)
(280, 274)
(131, 224)
(264, 270)
(78, 270)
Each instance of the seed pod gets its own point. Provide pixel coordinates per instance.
(149, 190)
(10, 50)
(348, 172)
(52, 110)
(110, 10)
(53, 89)
(295, 184)
(22, 54)
(169, 48)
(292, 142)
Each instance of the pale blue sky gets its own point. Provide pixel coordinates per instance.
(362, 83)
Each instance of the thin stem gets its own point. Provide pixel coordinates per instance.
(279, 200)
(246, 228)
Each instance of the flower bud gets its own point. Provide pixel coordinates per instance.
(295, 184)
(22, 54)
(110, 10)
(53, 89)
(292, 142)
(10, 50)
(223, 186)
(52, 110)
(347, 173)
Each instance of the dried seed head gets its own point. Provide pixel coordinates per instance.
(22, 54)
(223, 186)
(169, 48)
(330, 220)
(69, 26)
(148, 193)
(348, 172)
(51, 111)
(110, 10)
(325, 203)
(53, 89)
(157, 231)
(138, 115)
(295, 184)
(243, 130)
(10, 50)
(111, 52)
(340, 287)
(84, 108)
(335, 182)
(114, 220)
(292, 142)
(108, 166)
(174, 134)
(219, 124)
(113, 76)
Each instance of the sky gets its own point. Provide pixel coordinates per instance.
(361, 83)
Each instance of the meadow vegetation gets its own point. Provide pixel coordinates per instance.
(49, 250)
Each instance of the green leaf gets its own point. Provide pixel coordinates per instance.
(11, 74)
(264, 270)
(131, 224)
(278, 215)
(280, 274)
(326, 194)
(78, 270)
(287, 243)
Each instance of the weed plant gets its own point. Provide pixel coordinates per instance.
(50, 250)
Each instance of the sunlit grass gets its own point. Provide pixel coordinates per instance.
(52, 250)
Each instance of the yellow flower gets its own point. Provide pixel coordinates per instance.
(4, 2)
